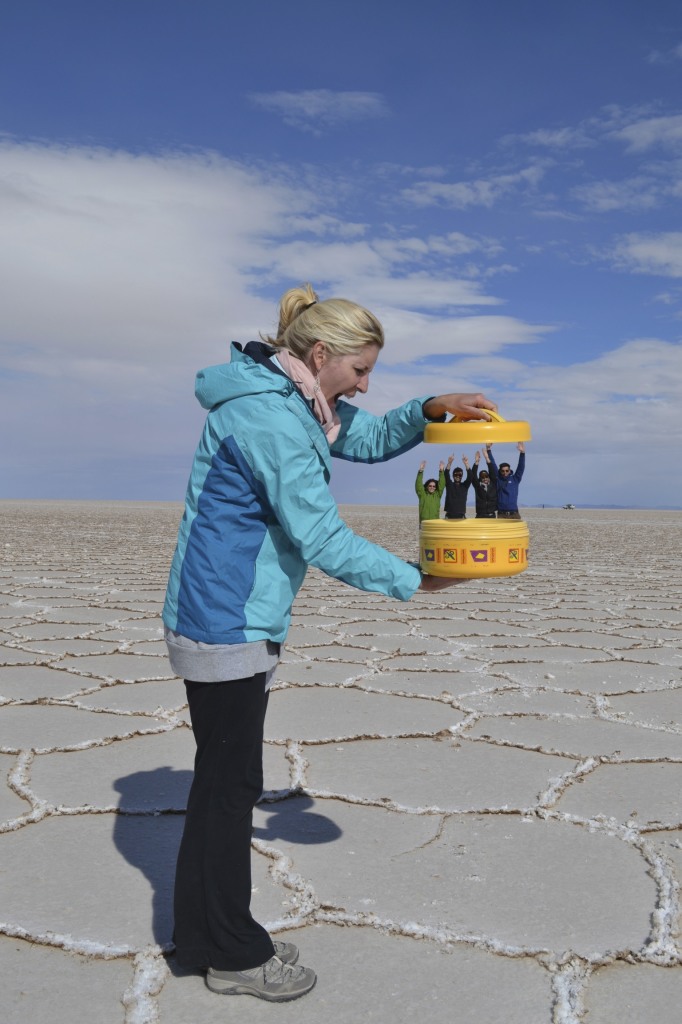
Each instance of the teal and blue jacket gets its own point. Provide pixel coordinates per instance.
(258, 509)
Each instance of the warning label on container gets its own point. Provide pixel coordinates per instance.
(429, 554)
(514, 554)
(479, 556)
(449, 554)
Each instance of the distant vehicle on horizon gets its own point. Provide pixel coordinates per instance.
(568, 505)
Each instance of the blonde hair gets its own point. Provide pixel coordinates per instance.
(343, 326)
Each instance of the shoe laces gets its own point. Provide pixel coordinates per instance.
(275, 971)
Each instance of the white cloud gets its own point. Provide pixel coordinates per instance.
(315, 110)
(641, 369)
(450, 245)
(132, 257)
(626, 382)
(659, 254)
(411, 336)
(651, 131)
(555, 138)
(605, 196)
(665, 56)
(479, 192)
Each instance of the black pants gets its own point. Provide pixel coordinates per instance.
(213, 922)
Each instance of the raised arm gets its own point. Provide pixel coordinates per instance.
(490, 459)
(522, 461)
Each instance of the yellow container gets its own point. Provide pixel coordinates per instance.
(496, 430)
(477, 548)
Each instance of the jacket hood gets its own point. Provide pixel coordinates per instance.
(249, 372)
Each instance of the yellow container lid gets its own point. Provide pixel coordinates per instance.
(457, 431)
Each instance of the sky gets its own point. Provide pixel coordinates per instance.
(499, 181)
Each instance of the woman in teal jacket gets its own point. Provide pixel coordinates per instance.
(258, 511)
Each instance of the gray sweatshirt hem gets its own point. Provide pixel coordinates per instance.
(216, 663)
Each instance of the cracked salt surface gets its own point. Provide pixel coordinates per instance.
(472, 800)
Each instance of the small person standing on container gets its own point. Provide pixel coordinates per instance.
(429, 493)
(258, 511)
(508, 484)
(456, 489)
(485, 489)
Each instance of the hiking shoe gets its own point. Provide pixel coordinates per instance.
(286, 951)
(274, 980)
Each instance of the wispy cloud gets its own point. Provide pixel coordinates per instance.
(478, 192)
(665, 56)
(633, 194)
(320, 110)
(651, 131)
(637, 126)
(589, 132)
(418, 335)
(555, 138)
(643, 253)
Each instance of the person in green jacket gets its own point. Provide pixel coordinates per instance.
(429, 493)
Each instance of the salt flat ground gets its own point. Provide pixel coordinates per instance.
(472, 808)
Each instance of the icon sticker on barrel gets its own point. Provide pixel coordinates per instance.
(449, 555)
(479, 556)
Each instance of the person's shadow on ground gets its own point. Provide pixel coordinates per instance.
(149, 823)
(292, 821)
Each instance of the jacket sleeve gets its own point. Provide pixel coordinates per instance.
(441, 483)
(292, 481)
(419, 484)
(367, 438)
(492, 466)
(520, 468)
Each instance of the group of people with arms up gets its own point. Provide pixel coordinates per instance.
(496, 488)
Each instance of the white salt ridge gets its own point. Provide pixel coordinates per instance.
(569, 981)
(139, 999)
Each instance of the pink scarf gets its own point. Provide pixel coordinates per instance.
(299, 373)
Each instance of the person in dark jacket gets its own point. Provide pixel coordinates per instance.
(485, 490)
(508, 484)
(456, 489)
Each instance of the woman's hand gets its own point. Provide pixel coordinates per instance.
(469, 407)
(430, 584)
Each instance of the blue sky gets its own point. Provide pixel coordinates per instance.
(500, 181)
